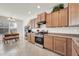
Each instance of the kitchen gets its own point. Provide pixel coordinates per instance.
(57, 31)
(39, 29)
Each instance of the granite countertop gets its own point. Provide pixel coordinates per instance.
(64, 35)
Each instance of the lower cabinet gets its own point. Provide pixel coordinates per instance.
(75, 49)
(74, 52)
(29, 37)
(60, 45)
(32, 38)
(48, 42)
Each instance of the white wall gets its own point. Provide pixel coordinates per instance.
(20, 28)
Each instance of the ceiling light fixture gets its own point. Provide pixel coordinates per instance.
(11, 19)
(38, 6)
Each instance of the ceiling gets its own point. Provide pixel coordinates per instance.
(21, 10)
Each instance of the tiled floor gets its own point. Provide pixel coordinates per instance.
(23, 48)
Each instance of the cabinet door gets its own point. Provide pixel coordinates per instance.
(38, 18)
(32, 38)
(32, 23)
(74, 52)
(76, 47)
(60, 45)
(43, 16)
(48, 20)
(73, 14)
(36, 23)
(63, 17)
(29, 37)
(48, 42)
(54, 19)
(69, 47)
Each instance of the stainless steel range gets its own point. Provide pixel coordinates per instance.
(39, 39)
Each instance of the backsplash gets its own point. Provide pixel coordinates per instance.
(68, 30)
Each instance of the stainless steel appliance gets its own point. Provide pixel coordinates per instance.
(39, 38)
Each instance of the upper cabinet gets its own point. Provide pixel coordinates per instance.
(32, 23)
(54, 19)
(38, 18)
(48, 20)
(65, 17)
(58, 18)
(36, 21)
(43, 16)
(29, 24)
(73, 14)
(63, 20)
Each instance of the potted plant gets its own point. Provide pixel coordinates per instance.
(61, 6)
(57, 8)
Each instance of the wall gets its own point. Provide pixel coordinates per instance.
(20, 28)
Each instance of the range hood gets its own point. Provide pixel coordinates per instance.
(41, 22)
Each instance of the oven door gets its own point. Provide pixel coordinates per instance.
(39, 40)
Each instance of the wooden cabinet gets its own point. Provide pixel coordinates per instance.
(58, 18)
(48, 20)
(74, 52)
(60, 45)
(54, 19)
(69, 46)
(29, 37)
(32, 38)
(32, 23)
(43, 16)
(36, 25)
(63, 18)
(76, 47)
(73, 14)
(38, 18)
(29, 24)
(48, 42)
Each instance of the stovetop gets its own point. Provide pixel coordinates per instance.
(39, 35)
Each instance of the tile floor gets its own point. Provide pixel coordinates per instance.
(23, 48)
